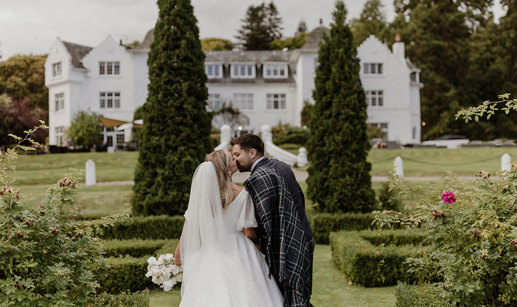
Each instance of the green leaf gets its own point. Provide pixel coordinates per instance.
(15, 137)
(504, 96)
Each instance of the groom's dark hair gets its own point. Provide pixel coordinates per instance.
(248, 141)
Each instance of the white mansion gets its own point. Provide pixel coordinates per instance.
(268, 87)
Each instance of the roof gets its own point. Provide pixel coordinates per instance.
(258, 57)
(148, 39)
(315, 38)
(77, 52)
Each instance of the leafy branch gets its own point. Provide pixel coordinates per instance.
(488, 108)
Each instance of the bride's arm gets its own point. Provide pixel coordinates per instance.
(177, 256)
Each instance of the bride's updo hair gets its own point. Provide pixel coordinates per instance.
(221, 160)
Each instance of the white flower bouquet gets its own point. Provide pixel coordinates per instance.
(164, 272)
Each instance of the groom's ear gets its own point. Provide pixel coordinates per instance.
(253, 153)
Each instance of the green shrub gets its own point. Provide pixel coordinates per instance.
(324, 223)
(420, 296)
(124, 274)
(473, 229)
(150, 227)
(128, 273)
(138, 299)
(134, 248)
(388, 198)
(371, 265)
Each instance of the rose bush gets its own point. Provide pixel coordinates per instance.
(473, 229)
(46, 259)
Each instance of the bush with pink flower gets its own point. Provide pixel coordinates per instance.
(474, 233)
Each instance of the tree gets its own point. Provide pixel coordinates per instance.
(291, 43)
(176, 133)
(17, 116)
(85, 129)
(302, 28)
(216, 44)
(24, 76)
(433, 31)
(371, 22)
(339, 175)
(260, 27)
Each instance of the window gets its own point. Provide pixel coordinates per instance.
(243, 101)
(413, 77)
(214, 101)
(213, 71)
(56, 69)
(372, 68)
(109, 68)
(275, 101)
(60, 136)
(120, 138)
(59, 101)
(275, 70)
(414, 133)
(375, 98)
(109, 100)
(243, 71)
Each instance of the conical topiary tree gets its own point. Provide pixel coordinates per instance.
(339, 178)
(176, 133)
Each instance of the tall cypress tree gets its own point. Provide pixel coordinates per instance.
(176, 134)
(339, 175)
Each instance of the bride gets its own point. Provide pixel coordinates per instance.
(221, 266)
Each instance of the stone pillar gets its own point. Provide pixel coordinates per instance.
(506, 163)
(226, 134)
(90, 173)
(267, 136)
(398, 167)
(302, 157)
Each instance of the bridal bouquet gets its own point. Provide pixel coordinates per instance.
(164, 272)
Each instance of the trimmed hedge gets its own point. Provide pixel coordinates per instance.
(419, 296)
(371, 265)
(128, 273)
(133, 248)
(323, 224)
(148, 227)
(138, 299)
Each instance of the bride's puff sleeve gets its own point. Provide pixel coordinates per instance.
(247, 215)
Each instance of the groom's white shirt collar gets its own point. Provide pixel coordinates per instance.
(255, 164)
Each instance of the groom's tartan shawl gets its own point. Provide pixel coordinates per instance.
(287, 251)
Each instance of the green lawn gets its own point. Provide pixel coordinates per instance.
(95, 200)
(330, 288)
(46, 169)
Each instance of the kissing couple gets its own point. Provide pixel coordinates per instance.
(227, 227)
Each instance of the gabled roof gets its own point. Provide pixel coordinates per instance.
(77, 52)
(258, 57)
(315, 38)
(146, 43)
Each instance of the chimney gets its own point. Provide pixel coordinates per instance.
(398, 48)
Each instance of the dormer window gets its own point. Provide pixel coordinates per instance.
(275, 70)
(213, 70)
(109, 68)
(372, 68)
(414, 76)
(243, 71)
(56, 69)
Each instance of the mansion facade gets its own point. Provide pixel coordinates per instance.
(267, 87)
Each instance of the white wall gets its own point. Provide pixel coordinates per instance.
(110, 50)
(395, 83)
(260, 116)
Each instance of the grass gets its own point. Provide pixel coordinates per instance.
(94, 200)
(330, 288)
(120, 166)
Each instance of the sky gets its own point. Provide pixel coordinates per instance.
(31, 26)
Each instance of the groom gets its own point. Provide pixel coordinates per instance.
(283, 229)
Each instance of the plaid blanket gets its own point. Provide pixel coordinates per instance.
(288, 252)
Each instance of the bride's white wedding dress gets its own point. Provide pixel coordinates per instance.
(221, 266)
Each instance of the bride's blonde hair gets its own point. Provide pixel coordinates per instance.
(221, 160)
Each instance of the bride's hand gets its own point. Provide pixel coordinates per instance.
(177, 256)
(250, 233)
